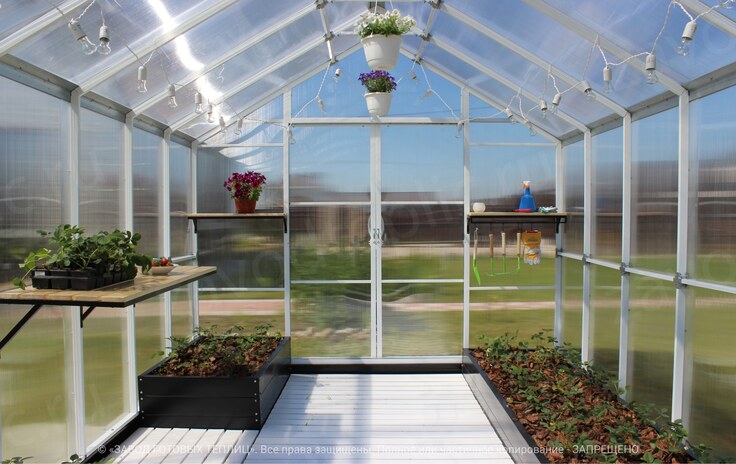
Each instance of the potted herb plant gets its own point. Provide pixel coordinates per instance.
(245, 189)
(83, 262)
(380, 34)
(217, 381)
(378, 86)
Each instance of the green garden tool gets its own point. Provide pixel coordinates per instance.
(503, 255)
(475, 256)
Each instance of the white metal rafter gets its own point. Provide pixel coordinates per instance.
(181, 28)
(525, 53)
(501, 79)
(435, 4)
(322, 7)
(590, 35)
(227, 56)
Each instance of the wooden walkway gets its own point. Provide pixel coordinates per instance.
(341, 418)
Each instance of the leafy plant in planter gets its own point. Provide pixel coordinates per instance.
(216, 381)
(572, 409)
(100, 258)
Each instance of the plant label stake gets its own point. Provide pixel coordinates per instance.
(475, 256)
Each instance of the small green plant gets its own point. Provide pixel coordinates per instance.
(103, 252)
(16, 460)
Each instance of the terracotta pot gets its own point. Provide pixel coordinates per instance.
(244, 205)
(382, 51)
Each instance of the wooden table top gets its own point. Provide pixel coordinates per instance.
(116, 296)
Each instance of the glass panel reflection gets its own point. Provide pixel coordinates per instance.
(149, 332)
(605, 307)
(573, 177)
(146, 186)
(422, 319)
(572, 302)
(607, 156)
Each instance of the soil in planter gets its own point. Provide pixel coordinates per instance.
(570, 410)
(233, 353)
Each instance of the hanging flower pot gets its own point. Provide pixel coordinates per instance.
(381, 37)
(382, 51)
(378, 103)
(378, 86)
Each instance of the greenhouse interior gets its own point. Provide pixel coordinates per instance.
(543, 181)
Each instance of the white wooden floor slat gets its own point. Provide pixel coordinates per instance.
(343, 418)
(135, 438)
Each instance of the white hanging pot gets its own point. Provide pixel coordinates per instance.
(378, 103)
(382, 51)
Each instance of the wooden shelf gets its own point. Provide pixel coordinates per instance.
(517, 218)
(199, 216)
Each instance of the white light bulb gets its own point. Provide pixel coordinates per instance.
(172, 96)
(239, 127)
(321, 104)
(104, 47)
(223, 126)
(607, 79)
(142, 78)
(556, 102)
(210, 114)
(588, 91)
(543, 108)
(688, 34)
(290, 134)
(651, 69)
(198, 108)
(88, 47)
(337, 73)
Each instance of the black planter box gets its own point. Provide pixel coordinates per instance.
(519, 444)
(75, 280)
(214, 402)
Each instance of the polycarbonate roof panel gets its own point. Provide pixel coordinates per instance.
(253, 131)
(634, 25)
(254, 93)
(56, 51)
(492, 90)
(179, 63)
(630, 85)
(18, 14)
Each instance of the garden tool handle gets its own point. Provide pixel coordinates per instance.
(518, 244)
(503, 243)
(475, 247)
(490, 239)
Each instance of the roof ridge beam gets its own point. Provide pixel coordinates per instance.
(225, 57)
(524, 53)
(590, 35)
(502, 80)
(717, 19)
(47, 19)
(190, 22)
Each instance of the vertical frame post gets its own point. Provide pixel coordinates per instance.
(128, 225)
(626, 232)
(165, 229)
(585, 348)
(559, 240)
(376, 233)
(193, 236)
(465, 109)
(287, 210)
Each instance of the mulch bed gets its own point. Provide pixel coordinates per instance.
(572, 414)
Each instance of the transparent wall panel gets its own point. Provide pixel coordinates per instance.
(654, 171)
(712, 382)
(422, 241)
(100, 172)
(180, 173)
(253, 131)
(149, 332)
(422, 319)
(712, 228)
(517, 312)
(573, 179)
(496, 174)
(106, 374)
(147, 192)
(651, 341)
(245, 309)
(605, 308)
(330, 164)
(181, 311)
(331, 320)
(572, 302)
(33, 147)
(608, 156)
(35, 394)
(432, 170)
(213, 169)
(330, 242)
(247, 253)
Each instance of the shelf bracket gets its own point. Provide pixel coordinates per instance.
(19, 325)
(85, 314)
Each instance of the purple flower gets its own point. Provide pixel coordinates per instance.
(378, 81)
(248, 185)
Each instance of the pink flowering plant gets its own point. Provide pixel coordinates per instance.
(248, 185)
(378, 81)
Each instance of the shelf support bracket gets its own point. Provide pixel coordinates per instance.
(85, 314)
(19, 325)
